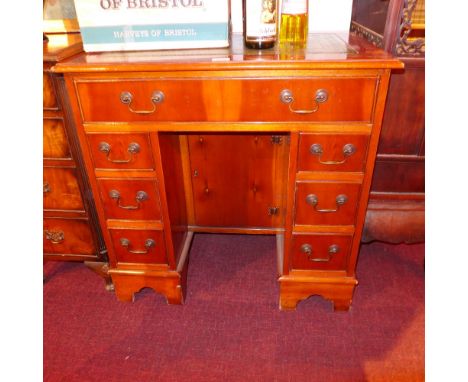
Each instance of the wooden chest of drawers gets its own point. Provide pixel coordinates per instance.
(255, 143)
(71, 231)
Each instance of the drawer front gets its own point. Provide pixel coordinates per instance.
(55, 143)
(121, 151)
(49, 99)
(61, 189)
(320, 252)
(326, 203)
(67, 237)
(190, 100)
(130, 199)
(139, 246)
(332, 152)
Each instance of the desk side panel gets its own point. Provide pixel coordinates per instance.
(172, 167)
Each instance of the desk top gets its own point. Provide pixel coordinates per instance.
(323, 50)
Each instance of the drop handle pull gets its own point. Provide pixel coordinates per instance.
(317, 150)
(55, 237)
(287, 97)
(149, 243)
(127, 98)
(140, 196)
(313, 201)
(133, 148)
(46, 188)
(308, 251)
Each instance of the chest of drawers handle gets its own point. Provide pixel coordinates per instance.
(126, 98)
(313, 200)
(55, 237)
(149, 243)
(317, 149)
(46, 188)
(286, 96)
(139, 197)
(133, 148)
(307, 250)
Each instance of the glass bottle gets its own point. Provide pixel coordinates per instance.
(260, 19)
(294, 22)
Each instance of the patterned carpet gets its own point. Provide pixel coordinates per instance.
(230, 328)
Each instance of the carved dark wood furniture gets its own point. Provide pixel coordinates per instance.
(396, 206)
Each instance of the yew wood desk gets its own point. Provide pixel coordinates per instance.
(232, 140)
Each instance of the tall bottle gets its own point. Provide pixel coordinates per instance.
(260, 23)
(294, 22)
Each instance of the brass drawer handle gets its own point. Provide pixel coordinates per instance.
(46, 188)
(317, 149)
(286, 96)
(55, 237)
(313, 200)
(307, 250)
(139, 197)
(133, 148)
(149, 243)
(126, 98)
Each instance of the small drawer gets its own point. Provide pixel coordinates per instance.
(326, 203)
(61, 190)
(49, 99)
(55, 143)
(139, 246)
(67, 237)
(320, 252)
(234, 99)
(130, 199)
(332, 152)
(121, 151)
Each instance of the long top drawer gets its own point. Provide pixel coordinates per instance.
(307, 99)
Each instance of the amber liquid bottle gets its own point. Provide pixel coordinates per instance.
(294, 22)
(260, 23)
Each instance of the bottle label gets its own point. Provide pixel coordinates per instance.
(294, 7)
(261, 18)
